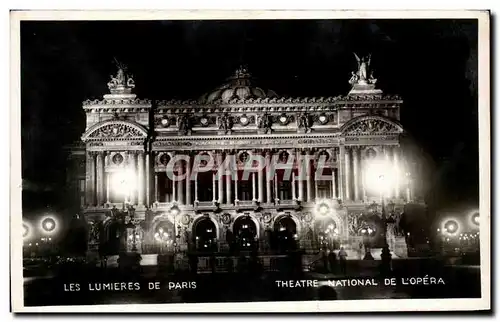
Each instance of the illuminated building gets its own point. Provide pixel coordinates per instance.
(355, 140)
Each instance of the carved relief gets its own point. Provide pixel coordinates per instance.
(226, 219)
(225, 123)
(304, 122)
(265, 122)
(244, 120)
(185, 219)
(184, 124)
(205, 120)
(370, 126)
(121, 131)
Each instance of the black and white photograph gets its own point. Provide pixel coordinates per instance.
(252, 164)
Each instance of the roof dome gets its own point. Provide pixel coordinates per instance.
(238, 86)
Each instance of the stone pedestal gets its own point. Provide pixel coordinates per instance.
(364, 89)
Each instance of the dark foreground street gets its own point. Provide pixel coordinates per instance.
(84, 286)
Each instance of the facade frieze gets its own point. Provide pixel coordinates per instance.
(246, 142)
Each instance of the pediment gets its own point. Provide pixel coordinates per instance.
(115, 130)
(371, 126)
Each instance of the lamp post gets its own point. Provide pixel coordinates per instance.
(367, 233)
(162, 237)
(175, 211)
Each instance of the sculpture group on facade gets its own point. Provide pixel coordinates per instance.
(184, 124)
(364, 74)
(304, 122)
(225, 123)
(121, 81)
(265, 122)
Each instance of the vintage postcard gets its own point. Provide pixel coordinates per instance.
(250, 161)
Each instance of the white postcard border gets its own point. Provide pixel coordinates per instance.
(482, 303)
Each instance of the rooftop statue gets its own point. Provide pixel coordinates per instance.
(122, 82)
(364, 74)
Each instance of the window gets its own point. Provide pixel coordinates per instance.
(205, 186)
(325, 185)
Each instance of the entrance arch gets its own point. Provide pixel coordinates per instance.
(246, 233)
(285, 234)
(205, 235)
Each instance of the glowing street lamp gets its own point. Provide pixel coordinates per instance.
(123, 183)
(475, 218)
(367, 233)
(26, 231)
(48, 224)
(323, 209)
(451, 226)
(162, 237)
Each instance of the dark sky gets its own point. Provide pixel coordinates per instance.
(432, 64)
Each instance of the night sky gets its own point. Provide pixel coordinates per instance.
(432, 64)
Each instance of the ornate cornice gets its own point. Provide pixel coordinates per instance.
(118, 103)
(282, 104)
(247, 142)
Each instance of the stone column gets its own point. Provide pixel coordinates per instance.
(355, 167)
(180, 186)
(220, 184)
(254, 192)
(389, 167)
(341, 172)
(276, 187)
(133, 169)
(236, 198)
(156, 187)
(148, 178)
(301, 177)
(334, 185)
(268, 178)
(90, 178)
(228, 189)
(188, 183)
(107, 187)
(307, 168)
(174, 188)
(195, 190)
(261, 185)
(140, 179)
(363, 174)
(294, 197)
(316, 191)
(347, 169)
(100, 178)
(396, 152)
(214, 192)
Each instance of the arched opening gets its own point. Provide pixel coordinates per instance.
(285, 234)
(245, 232)
(111, 239)
(205, 235)
(327, 233)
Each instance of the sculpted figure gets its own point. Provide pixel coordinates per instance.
(225, 123)
(264, 122)
(183, 124)
(364, 74)
(304, 122)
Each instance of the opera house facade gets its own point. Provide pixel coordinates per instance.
(244, 169)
